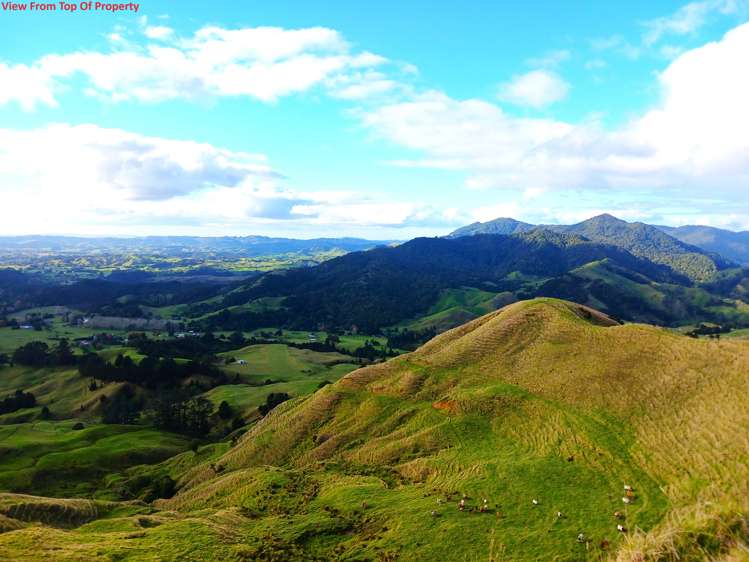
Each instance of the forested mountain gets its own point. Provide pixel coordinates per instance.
(496, 226)
(727, 243)
(640, 239)
(386, 286)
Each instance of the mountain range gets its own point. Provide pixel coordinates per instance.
(633, 271)
(640, 238)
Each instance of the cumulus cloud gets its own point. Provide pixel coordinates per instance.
(264, 63)
(536, 89)
(158, 32)
(132, 166)
(110, 180)
(28, 86)
(695, 137)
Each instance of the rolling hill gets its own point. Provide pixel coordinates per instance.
(546, 409)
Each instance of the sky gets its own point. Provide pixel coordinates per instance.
(382, 120)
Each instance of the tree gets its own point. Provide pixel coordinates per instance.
(124, 407)
(33, 354)
(236, 423)
(237, 339)
(4, 359)
(62, 354)
(17, 401)
(191, 416)
(224, 410)
(271, 401)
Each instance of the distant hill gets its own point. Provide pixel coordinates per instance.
(496, 226)
(383, 287)
(727, 243)
(640, 239)
(545, 418)
(168, 245)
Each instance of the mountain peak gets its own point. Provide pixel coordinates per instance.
(501, 225)
(605, 218)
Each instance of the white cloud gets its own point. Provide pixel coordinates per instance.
(264, 63)
(27, 86)
(537, 89)
(508, 210)
(686, 20)
(158, 32)
(114, 181)
(618, 44)
(695, 138)
(361, 85)
(136, 167)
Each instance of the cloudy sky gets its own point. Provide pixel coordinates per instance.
(383, 120)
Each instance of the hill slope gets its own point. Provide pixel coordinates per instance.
(543, 400)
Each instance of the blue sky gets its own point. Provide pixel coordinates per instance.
(386, 120)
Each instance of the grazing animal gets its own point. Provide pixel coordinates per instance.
(618, 515)
(535, 502)
(626, 500)
(559, 514)
(621, 528)
(581, 537)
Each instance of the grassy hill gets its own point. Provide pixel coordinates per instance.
(543, 400)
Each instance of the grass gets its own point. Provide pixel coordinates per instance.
(298, 372)
(53, 459)
(542, 400)
(457, 306)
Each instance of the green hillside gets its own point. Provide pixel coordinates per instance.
(543, 400)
